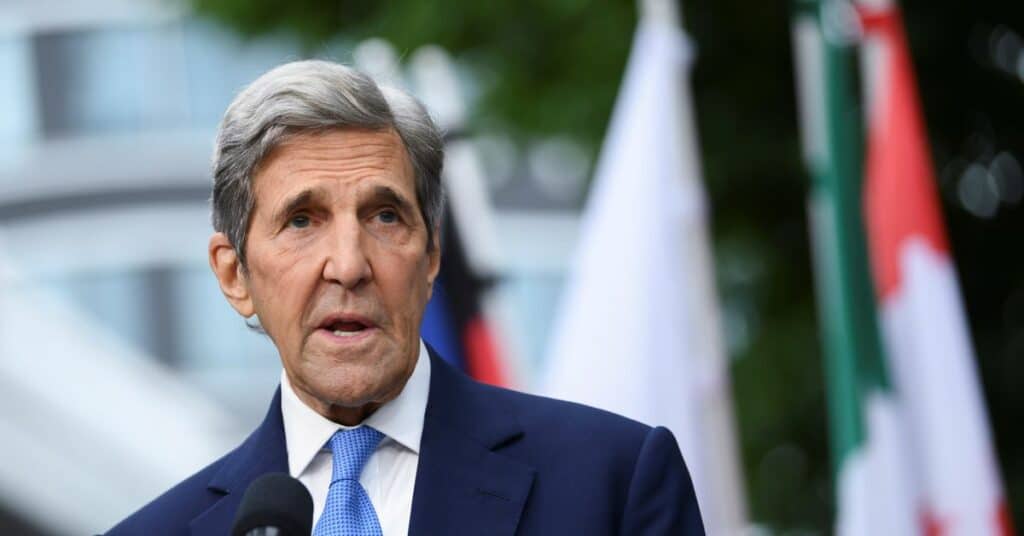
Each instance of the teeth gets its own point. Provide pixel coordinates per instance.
(340, 333)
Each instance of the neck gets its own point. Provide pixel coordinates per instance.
(341, 414)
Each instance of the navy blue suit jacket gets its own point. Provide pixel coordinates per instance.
(492, 462)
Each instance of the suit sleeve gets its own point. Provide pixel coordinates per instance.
(661, 499)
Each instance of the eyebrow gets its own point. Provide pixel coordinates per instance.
(299, 200)
(386, 194)
(381, 194)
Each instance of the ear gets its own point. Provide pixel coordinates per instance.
(434, 260)
(230, 275)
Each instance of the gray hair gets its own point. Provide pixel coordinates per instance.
(313, 96)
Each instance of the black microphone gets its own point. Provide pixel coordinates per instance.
(274, 505)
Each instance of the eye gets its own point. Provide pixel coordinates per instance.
(387, 216)
(299, 221)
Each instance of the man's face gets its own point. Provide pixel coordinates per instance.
(338, 271)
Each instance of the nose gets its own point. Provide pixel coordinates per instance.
(346, 261)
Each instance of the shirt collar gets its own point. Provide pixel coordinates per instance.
(401, 419)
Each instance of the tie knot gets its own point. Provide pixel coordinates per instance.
(350, 450)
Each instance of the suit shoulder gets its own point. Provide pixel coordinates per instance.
(171, 512)
(573, 443)
(569, 419)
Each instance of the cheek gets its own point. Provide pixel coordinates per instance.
(417, 290)
(285, 260)
(396, 237)
(281, 292)
(401, 275)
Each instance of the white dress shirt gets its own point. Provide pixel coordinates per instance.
(389, 474)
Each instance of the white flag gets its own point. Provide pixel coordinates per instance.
(638, 329)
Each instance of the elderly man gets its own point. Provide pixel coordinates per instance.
(326, 204)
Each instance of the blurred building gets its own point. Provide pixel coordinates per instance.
(122, 368)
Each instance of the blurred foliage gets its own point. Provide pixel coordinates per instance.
(554, 66)
(533, 56)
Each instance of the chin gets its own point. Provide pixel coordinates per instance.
(351, 387)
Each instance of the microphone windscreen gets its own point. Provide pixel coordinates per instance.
(275, 500)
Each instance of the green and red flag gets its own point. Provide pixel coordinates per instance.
(957, 488)
(910, 439)
(869, 453)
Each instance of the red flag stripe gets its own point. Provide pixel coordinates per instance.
(482, 360)
(1005, 521)
(901, 199)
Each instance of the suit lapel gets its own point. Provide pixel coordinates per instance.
(263, 452)
(464, 485)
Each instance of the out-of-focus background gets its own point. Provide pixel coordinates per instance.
(122, 369)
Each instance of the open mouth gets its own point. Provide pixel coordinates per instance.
(346, 327)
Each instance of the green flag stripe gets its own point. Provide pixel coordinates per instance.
(853, 355)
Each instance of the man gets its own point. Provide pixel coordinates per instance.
(326, 205)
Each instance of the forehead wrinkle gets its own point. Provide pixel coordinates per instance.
(346, 155)
(349, 163)
(342, 146)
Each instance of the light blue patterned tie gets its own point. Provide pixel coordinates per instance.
(348, 511)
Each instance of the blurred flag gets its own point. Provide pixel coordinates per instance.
(454, 322)
(870, 460)
(638, 329)
(924, 329)
(905, 462)
(457, 320)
